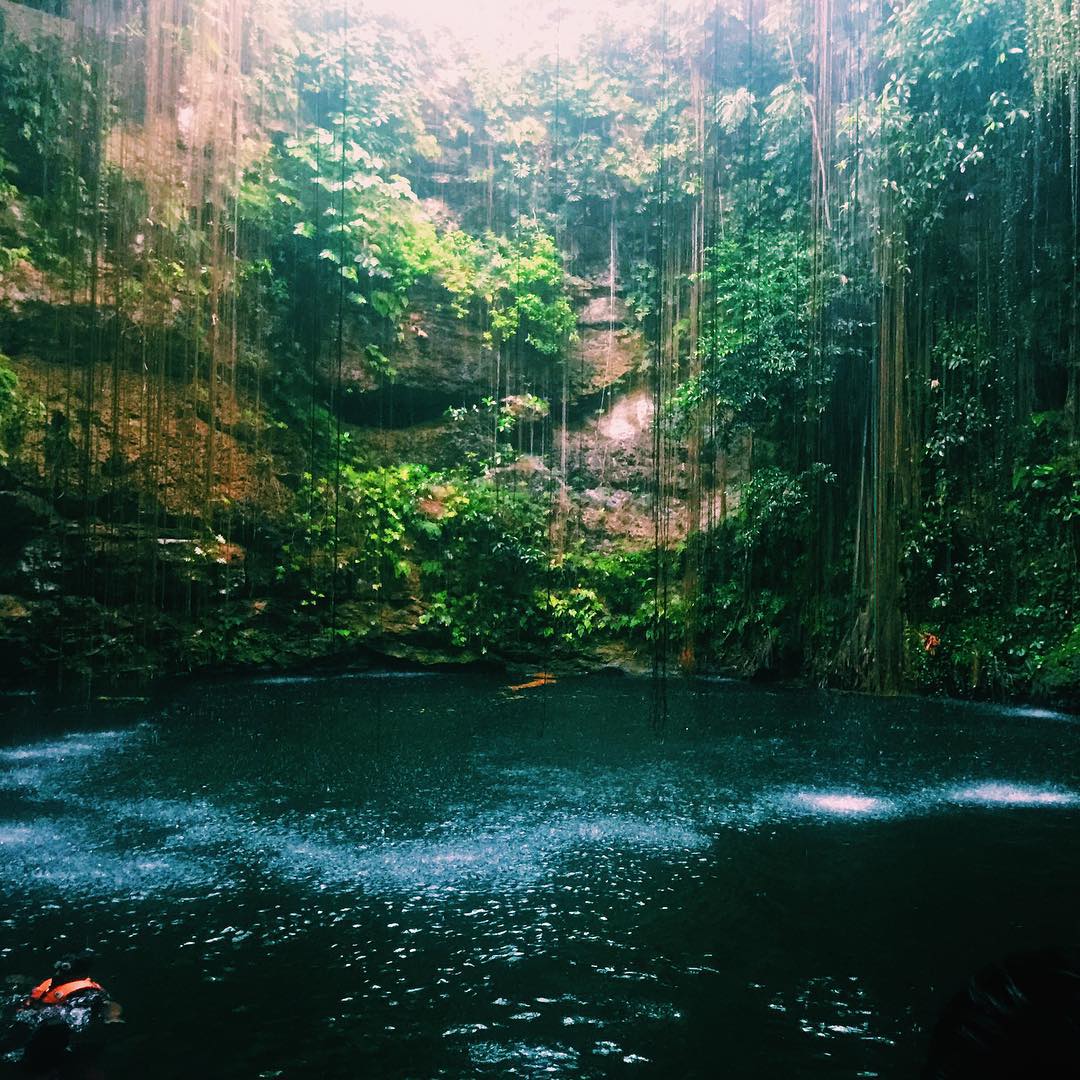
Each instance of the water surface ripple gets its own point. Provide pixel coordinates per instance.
(433, 877)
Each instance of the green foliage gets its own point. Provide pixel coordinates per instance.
(19, 413)
(745, 633)
(53, 116)
(1058, 672)
(353, 528)
(572, 617)
(772, 517)
(472, 554)
(752, 611)
(13, 248)
(1054, 484)
(960, 545)
(378, 519)
(347, 241)
(957, 85)
(519, 279)
(9, 404)
(346, 236)
(224, 638)
(524, 287)
(991, 556)
(486, 563)
(753, 345)
(480, 435)
(623, 582)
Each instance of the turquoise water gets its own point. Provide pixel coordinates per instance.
(429, 875)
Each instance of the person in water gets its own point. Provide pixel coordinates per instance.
(1016, 1020)
(56, 1022)
(70, 986)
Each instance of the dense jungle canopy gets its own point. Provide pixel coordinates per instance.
(735, 336)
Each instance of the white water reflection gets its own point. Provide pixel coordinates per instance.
(827, 1007)
(93, 844)
(72, 834)
(512, 850)
(854, 805)
(58, 751)
(536, 1060)
(825, 805)
(843, 803)
(69, 857)
(1007, 794)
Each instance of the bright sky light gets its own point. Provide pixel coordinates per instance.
(504, 28)
(496, 27)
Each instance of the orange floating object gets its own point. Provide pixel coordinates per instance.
(47, 994)
(540, 678)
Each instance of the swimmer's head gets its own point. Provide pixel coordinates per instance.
(73, 966)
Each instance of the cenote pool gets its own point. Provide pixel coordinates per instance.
(426, 875)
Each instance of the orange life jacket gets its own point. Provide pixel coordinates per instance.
(47, 994)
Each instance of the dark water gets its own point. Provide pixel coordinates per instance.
(426, 876)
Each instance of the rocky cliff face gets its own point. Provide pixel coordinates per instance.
(159, 497)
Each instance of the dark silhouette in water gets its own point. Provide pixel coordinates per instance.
(1016, 1020)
